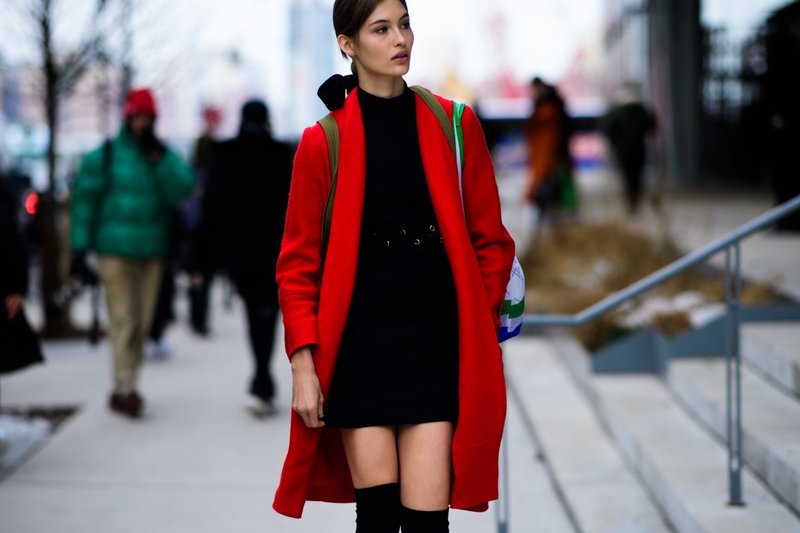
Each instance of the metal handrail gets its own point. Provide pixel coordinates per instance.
(665, 274)
(731, 244)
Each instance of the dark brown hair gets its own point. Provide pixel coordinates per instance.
(350, 15)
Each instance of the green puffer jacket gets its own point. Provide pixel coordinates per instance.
(132, 208)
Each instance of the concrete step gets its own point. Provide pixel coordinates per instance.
(601, 493)
(770, 420)
(683, 467)
(773, 349)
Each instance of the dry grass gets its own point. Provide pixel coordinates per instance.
(578, 265)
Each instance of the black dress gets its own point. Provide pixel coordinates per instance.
(398, 359)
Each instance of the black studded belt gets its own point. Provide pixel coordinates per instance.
(411, 237)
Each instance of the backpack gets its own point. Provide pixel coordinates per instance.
(514, 301)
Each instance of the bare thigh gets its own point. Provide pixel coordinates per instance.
(372, 455)
(425, 465)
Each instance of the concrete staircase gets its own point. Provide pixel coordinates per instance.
(773, 350)
(642, 452)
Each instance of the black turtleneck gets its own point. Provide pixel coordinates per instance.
(396, 191)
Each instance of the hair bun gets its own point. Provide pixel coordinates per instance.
(334, 90)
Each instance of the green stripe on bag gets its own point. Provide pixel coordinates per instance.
(513, 309)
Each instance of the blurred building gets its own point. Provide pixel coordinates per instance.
(656, 44)
(312, 47)
(713, 70)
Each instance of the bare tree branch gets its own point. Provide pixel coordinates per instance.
(76, 62)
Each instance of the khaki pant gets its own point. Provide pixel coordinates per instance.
(131, 291)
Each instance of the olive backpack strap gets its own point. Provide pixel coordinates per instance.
(439, 112)
(331, 130)
(452, 130)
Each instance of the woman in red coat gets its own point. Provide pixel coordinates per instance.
(398, 394)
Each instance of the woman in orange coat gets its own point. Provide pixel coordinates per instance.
(397, 373)
(548, 142)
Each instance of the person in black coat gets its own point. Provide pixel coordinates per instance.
(627, 125)
(19, 346)
(240, 230)
(14, 265)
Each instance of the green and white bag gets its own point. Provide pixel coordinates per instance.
(514, 301)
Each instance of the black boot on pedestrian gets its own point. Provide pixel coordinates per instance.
(378, 509)
(414, 521)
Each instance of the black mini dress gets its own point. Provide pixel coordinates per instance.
(398, 358)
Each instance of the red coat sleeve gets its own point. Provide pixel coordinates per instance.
(493, 246)
(299, 267)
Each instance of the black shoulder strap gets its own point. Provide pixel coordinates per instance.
(101, 196)
(107, 146)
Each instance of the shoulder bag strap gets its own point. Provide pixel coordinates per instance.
(331, 130)
(439, 112)
(452, 130)
(458, 113)
(101, 196)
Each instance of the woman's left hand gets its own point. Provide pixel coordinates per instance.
(307, 397)
(13, 304)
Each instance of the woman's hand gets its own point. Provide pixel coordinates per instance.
(306, 392)
(13, 304)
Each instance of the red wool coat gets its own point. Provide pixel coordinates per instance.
(480, 253)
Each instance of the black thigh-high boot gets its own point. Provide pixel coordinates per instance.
(378, 509)
(414, 521)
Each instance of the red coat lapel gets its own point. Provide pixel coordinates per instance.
(340, 264)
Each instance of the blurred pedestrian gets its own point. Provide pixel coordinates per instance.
(550, 184)
(627, 125)
(19, 346)
(120, 210)
(240, 229)
(200, 288)
(14, 278)
(395, 339)
(160, 347)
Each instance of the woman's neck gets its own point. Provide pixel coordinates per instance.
(382, 86)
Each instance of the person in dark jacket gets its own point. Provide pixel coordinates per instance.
(14, 265)
(627, 125)
(19, 345)
(199, 291)
(164, 314)
(240, 231)
(550, 183)
(120, 209)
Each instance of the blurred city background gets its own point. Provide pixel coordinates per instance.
(713, 70)
(720, 79)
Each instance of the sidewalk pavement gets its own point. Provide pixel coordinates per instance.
(196, 462)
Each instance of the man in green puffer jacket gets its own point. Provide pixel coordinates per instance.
(120, 210)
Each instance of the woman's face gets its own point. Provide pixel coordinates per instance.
(139, 122)
(383, 47)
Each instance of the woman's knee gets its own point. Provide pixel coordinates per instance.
(371, 455)
(424, 452)
(414, 521)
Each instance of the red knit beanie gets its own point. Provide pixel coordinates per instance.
(140, 101)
